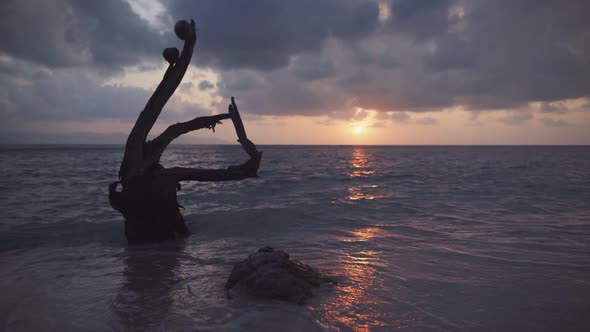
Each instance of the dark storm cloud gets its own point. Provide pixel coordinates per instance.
(309, 68)
(368, 56)
(306, 57)
(263, 35)
(479, 55)
(69, 96)
(420, 19)
(526, 51)
(55, 56)
(64, 33)
(451, 53)
(278, 93)
(38, 31)
(118, 36)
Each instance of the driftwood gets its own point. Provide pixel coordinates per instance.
(147, 199)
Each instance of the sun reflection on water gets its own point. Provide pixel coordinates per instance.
(360, 167)
(362, 235)
(357, 302)
(354, 306)
(359, 164)
(356, 193)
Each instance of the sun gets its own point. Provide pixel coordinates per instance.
(358, 129)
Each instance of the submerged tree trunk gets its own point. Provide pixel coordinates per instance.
(147, 199)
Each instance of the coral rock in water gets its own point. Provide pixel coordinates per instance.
(273, 274)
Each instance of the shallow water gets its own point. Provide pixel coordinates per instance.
(419, 238)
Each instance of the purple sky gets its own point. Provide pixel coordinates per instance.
(302, 72)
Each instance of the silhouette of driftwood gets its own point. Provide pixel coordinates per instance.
(147, 199)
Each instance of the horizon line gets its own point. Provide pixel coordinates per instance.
(290, 144)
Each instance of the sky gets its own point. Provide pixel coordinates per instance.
(341, 72)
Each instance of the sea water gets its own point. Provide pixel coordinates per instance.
(418, 238)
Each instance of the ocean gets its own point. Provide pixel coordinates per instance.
(419, 238)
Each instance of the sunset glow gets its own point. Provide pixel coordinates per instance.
(391, 77)
(364, 165)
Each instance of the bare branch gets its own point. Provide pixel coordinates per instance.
(170, 83)
(132, 160)
(241, 131)
(155, 148)
(248, 169)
